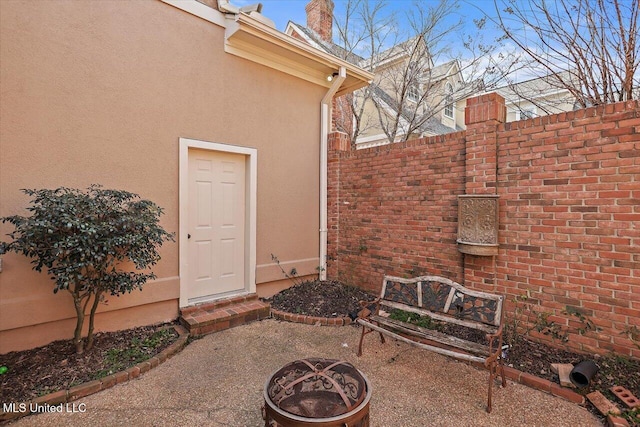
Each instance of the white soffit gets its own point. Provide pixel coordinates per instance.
(250, 39)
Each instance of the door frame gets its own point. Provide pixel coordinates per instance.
(251, 180)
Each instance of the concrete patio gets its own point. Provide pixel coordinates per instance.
(219, 379)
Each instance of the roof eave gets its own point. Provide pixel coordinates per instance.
(251, 39)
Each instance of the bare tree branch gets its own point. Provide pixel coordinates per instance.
(592, 41)
(408, 95)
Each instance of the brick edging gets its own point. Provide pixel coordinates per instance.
(616, 421)
(543, 385)
(74, 393)
(310, 320)
(557, 390)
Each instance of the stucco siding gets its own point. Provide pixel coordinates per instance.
(101, 92)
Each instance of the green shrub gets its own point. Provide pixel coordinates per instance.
(85, 239)
(415, 319)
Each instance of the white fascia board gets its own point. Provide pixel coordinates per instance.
(375, 141)
(198, 9)
(365, 145)
(378, 137)
(253, 40)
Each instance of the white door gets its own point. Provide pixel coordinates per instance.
(216, 224)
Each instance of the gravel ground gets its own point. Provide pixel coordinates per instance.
(219, 379)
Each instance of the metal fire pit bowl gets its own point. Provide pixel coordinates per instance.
(317, 392)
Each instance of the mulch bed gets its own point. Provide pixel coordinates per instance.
(56, 366)
(328, 298)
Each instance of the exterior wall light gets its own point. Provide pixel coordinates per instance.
(330, 77)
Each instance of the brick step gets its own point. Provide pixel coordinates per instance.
(223, 314)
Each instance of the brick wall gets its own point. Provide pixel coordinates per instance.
(392, 210)
(569, 200)
(341, 114)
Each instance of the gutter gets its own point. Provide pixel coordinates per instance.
(225, 7)
(325, 125)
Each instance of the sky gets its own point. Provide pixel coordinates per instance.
(282, 11)
(473, 61)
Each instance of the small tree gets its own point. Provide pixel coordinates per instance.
(85, 239)
(589, 47)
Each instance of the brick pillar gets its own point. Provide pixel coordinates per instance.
(483, 115)
(320, 18)
(338, 144)
(338, 141)
(341, 114)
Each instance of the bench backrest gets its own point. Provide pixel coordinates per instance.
(443, 299)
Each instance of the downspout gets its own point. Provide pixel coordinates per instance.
(325, 127)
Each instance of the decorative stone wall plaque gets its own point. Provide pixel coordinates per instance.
(478, 224)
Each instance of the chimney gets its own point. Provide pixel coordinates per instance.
(320, 18)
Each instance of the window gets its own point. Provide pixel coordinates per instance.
(448, 99)
(412, 78)
(413, 93)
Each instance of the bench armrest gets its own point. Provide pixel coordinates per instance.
(368, 308)
(495, 351)
(496, 334)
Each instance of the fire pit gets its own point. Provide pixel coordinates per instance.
(317, 392)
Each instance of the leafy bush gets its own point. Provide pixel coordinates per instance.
(85, 239)
(138, 351)
(416, 319)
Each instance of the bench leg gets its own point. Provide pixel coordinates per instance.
(361, 340)
(494, 367)
(492, 370)
(365, 332)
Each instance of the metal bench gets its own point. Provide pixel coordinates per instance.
(444, 301)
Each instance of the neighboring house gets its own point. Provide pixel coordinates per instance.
(214, 115)
(432, 106)
(537, 97)
(432, 97)
(439, 93)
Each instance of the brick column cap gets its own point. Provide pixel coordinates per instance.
(490, 106)
(338, 141)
